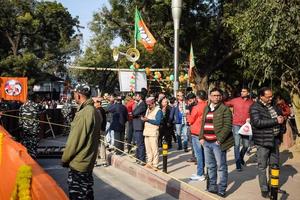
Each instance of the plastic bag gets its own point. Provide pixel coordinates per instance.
(246, 129)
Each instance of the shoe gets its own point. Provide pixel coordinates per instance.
(213, 191)
(148, 166)
(155, 168)
(265, 194)
(197, 178)
(243, 162)
(239, 169)
(179, 148)
(221, 194)
(186, 150)
(192, 160)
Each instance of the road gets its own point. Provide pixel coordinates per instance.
(109, 183)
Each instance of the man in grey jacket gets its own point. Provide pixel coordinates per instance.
(139, 111)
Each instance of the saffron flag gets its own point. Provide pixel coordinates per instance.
(191, 62)
(142, 33)
(13, 88)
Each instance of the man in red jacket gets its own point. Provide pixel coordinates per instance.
(195, 121)
(241, 106)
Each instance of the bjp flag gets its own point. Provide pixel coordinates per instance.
(13, 88)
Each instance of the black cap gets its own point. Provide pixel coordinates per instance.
(84, 89)
(190, 96)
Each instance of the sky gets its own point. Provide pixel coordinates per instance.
(85, 10)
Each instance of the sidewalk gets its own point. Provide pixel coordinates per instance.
(241, 186)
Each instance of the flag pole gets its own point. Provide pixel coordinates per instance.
(135, 27)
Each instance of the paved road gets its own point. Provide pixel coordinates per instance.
(110, 183)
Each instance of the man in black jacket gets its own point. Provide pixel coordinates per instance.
(268, 127)
(139, 111)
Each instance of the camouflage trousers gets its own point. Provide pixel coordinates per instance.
(30, 141)
(80, 185)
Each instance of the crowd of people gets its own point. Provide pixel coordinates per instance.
(206, 124)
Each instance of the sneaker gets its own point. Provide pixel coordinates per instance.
(197, 178)
(265, 194)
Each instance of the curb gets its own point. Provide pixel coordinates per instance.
(158, 179)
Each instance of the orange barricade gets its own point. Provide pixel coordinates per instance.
(13, 156)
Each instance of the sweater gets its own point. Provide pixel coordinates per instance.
(241, 108)
(222, 125)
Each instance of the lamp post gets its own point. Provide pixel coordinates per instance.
(176, 13)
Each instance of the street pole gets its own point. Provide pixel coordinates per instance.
(176, 13)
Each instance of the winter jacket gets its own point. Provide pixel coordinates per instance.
(174, 116)
(263, 125)
(222, 122)
(137, 113)
(82, 145)
(119, 117)
(195, 118)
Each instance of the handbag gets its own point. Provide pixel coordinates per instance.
(246, 129)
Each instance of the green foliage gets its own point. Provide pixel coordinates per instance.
(35, 36)
(267, 33)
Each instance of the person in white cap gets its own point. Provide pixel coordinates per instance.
(152, 121)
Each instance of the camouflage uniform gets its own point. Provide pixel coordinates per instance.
(30, 127)
(80, 185)
(66, 111)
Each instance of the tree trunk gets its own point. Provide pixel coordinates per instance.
(14, 42)
(296, 108)
(201, 82)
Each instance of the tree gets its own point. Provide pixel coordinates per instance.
(267, 34)
(200, 24)
(36, 36)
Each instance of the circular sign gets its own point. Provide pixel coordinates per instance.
(13, 87)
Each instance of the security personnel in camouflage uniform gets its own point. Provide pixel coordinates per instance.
(82, 145)
(66, 111)
(29, 113)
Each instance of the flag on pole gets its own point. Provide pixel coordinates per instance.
(142, 33)
(191, 62)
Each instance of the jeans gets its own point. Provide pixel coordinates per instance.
(119, 139)
(239, 154)
(181, 130)
(130, 135)
(198, 154)
(140, 151)
(215, 160)
(266, 156)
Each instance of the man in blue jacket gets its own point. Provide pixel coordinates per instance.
(119, 119)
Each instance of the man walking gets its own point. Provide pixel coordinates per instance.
(82, 145)
(241, 106)
(268, 127)
(216, 137)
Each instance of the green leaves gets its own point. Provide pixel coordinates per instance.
(35, 36)
(267, 34)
